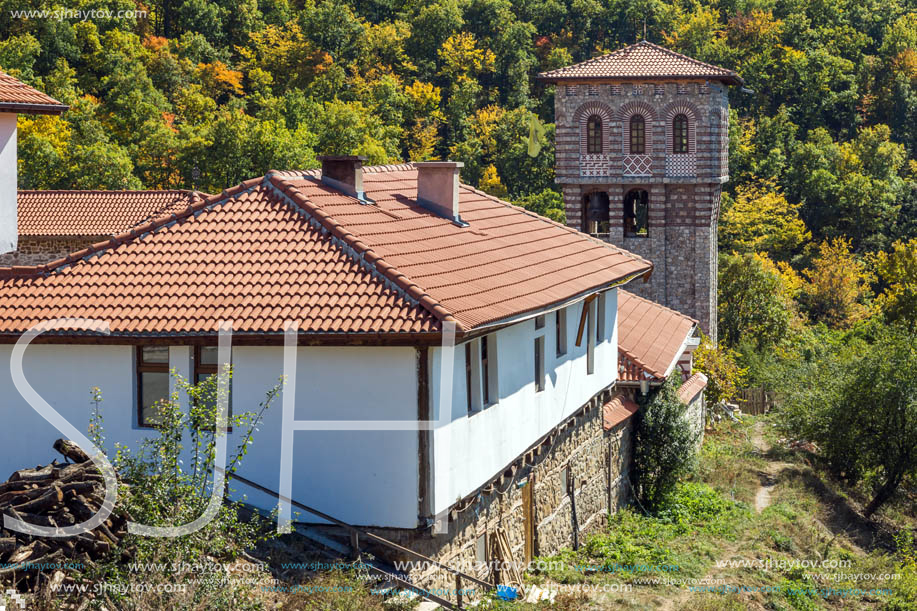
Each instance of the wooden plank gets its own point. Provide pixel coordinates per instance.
(528, 517)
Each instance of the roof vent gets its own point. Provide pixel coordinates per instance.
(438, 188)
(344, 173)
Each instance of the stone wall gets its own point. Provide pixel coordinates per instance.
(598, 464)
(38, 250)
(684, 190)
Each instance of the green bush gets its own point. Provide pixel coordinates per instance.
(665, 445)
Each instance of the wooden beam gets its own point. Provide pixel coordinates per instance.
(582, 319)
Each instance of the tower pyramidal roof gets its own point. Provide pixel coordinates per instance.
(639, 61)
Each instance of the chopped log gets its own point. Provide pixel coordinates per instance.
(33, 475)
(46, 501)
(71, 450)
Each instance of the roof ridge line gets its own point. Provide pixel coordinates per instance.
(130, 235)
(567, 228)
(404, 285)
(681, 55)
(189, 191)
(659, 305)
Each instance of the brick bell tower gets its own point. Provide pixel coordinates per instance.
(642, 153)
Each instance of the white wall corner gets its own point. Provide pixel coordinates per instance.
(9, 231)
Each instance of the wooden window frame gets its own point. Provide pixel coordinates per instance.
(681, 134)
(560, 332)
(141, 368)
(637, 136)
(600, 319)
(200, 370)
(485, 372)
(469, 378)
(594, 144)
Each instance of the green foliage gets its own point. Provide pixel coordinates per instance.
(238, 88)
(171, 475)
(665, 445)
(859, 403)
(751, 303)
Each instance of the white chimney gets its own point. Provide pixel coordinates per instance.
(9, 231)
(438, 188)
(15, 97)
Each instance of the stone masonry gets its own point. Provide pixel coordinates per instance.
(684, 188)
(595, 462)
(38, 250)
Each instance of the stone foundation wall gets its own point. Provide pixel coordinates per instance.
(41, 250)
(598, 464)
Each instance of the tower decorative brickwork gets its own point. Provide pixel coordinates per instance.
(641, 155)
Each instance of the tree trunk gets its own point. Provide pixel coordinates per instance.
(884, 494)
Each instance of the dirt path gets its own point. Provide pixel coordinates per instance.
(768, 476)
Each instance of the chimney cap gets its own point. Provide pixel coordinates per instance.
(439, 164)
(342, 157)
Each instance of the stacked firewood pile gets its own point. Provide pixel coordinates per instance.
(56, 495)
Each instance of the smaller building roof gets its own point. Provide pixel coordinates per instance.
(94, 213)
(651, 337)
(16, 96)
(617, 411)
(692, 387)
(642, 60)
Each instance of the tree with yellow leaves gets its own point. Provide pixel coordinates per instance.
(897, 269)
(760, 219)
(838, 285)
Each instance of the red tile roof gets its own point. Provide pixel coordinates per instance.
(94, 213)
(617, 411)
(651, 337)
(642, 60)
(16, 96)
(692, 387)
(289, 247)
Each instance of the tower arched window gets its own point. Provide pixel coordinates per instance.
(595, 217)
(636, 213)
(680, 134)
(637, 135)
(594, 135)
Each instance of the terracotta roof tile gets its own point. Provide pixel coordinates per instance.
(16, 96)
(287, 246)
(617, 411)
(694, 385)
(642, 60)
(94, 213)
(650, 337)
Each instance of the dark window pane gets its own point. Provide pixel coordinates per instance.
(637, 135)
(209, 355)
(539, 321)
(594, 136)
(210, 396)
(155, 354)
(154, 386)
(680, 134)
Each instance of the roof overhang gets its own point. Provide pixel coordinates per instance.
(33, 109)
